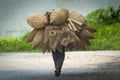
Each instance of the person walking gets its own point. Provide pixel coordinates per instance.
(58, 59)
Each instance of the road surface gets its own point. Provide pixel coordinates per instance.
(84, 65)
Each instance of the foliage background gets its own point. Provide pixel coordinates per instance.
(105, 20)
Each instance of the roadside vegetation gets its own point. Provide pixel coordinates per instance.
(106, 21)
(17, 44)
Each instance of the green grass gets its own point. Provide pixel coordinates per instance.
(17, 44)
(107, 37)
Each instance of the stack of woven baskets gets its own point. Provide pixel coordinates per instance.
(58, 28)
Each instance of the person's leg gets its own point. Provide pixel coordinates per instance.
(58, 60)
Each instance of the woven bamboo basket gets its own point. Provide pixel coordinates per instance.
(38, 39)
(69, 37)
(37, 20)
(85, 34)
(75, 15)
(48, 31)
(31, 35)
(83, 43)
(59, 16)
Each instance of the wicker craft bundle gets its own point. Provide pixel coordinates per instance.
(59, 28)
(37, 20)
(59, 16)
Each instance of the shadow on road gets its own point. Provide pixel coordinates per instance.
(95, 74)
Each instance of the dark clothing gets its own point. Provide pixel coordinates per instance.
(58, 59)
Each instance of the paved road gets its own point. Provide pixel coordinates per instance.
(88, 65)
